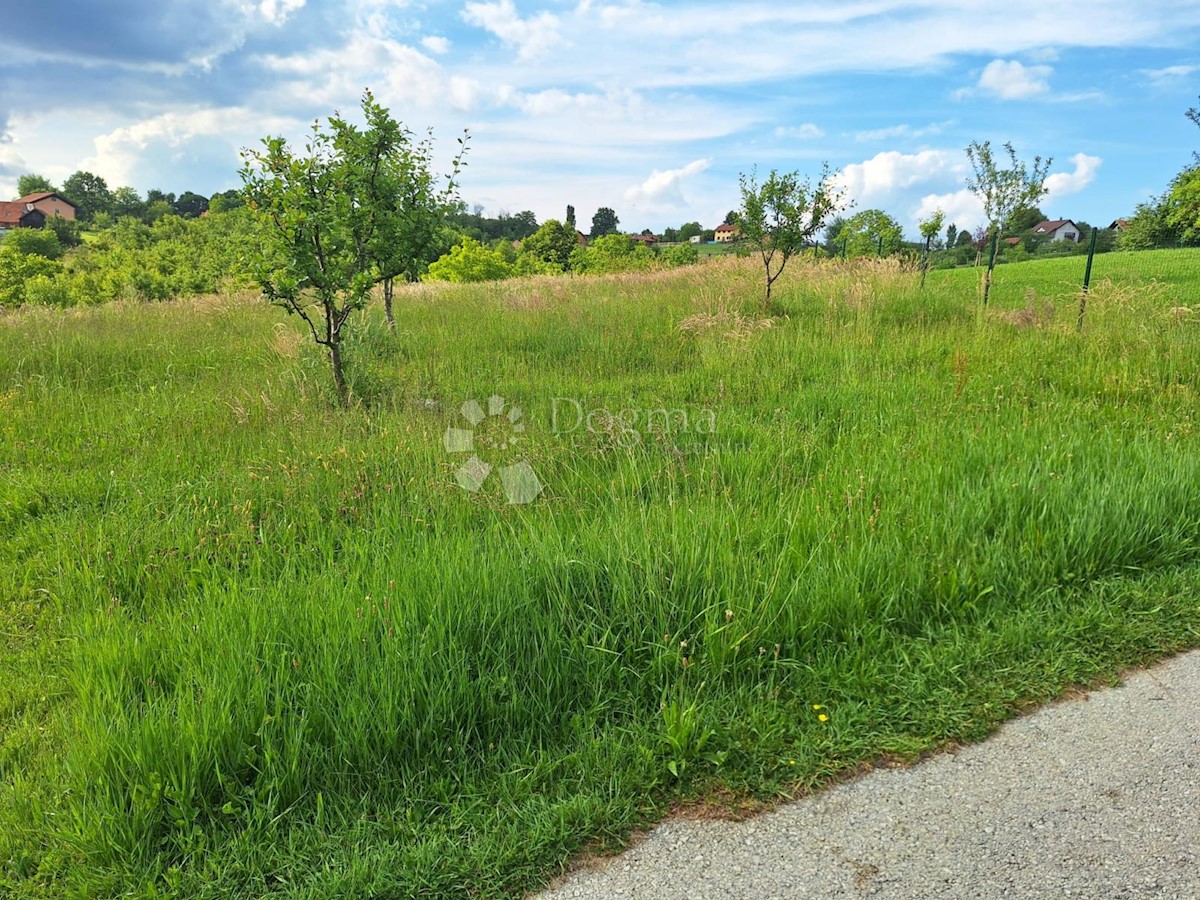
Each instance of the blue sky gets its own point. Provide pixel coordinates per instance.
(650, 108)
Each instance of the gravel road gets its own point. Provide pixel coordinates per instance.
(1091, 798)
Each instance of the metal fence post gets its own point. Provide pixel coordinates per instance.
(1087, 279)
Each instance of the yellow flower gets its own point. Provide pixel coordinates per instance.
(816, 706)
(823, 717)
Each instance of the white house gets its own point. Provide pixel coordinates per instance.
(1058, 230)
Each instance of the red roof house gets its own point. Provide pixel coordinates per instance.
(50, 203)
(20, 215)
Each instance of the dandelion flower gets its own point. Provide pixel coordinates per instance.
(822, 717)
(817, 706)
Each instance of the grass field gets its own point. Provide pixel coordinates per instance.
(254, 645)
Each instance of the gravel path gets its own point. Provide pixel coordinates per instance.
(1095, 798)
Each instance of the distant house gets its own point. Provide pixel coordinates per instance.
(726, 234)
(20, 215)
(1119, 225)
(581, 239)
(51, 204)
(1058, 230)
(1011, 241)
(696, 239)
(644, 239)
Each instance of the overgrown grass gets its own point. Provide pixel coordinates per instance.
(254, 645)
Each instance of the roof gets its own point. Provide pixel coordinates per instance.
(43, 195)
(726, 228)
(11, 213)
(1052, 225)
(1119, 224)
(648, 238)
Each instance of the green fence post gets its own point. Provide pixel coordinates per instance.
(1087, 279)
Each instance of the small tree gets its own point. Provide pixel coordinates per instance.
(570, 216)
(871, 232)
(951, 234)
(320, 211)
(780, 217)
(930, 227)
(604, 222)
(408, 233)
(1003, 191)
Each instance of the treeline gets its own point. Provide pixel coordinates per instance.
(98, 206)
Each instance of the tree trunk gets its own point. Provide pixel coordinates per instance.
(987, 277)
(388, 287)
(339, 377)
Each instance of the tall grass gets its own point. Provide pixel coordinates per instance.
(256, 645)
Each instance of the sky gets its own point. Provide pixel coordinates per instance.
(653, 109)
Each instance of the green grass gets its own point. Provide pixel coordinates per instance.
(254, 645)
(1168, 276)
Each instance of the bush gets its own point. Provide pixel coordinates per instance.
(609, 254)
(34, 242)
(681, 255)
(45, 290)
(17, 269)
(470, 261)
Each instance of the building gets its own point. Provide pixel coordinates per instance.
(51, 204)
(1119, 225)
(20, 215)
(726, 234)
(696, 239)
(1058, 230)
(644, 239)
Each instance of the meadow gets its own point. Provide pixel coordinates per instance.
(256, 645)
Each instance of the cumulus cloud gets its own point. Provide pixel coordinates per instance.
(892, 171)
(533, 37)
(1063, 184)
(1013, 80)
(119, 154)
(806, 132)
(663, 189)
(436, 44)
(962, 208)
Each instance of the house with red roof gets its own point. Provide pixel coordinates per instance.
(726, 234)
(20, 215)
(50, 203)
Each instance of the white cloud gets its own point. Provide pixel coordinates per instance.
(1013, 80)
(533, 37)
(662, 190)
(962, 208)
(276, 12)
(1063, 184)
(892, 171)
(806, 132)
(436, 44)
(119, 152)
(901, 131)
(1170, 75)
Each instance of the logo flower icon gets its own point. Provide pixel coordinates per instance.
(497, 429)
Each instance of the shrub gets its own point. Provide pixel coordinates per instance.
(470, 261)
